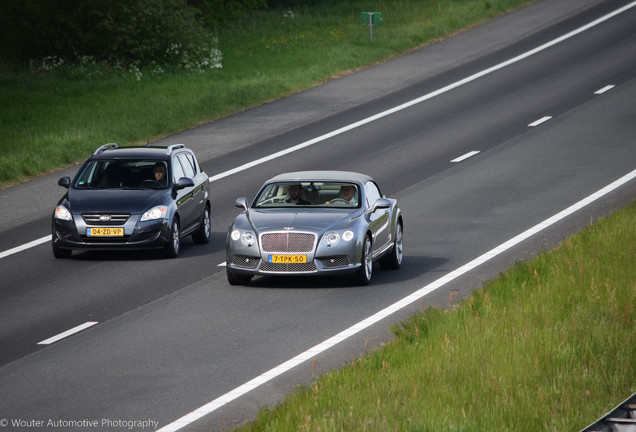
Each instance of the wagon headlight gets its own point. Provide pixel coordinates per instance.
(158, 212)
(62, 213)
(331, 239)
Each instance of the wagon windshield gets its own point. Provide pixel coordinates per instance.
(308, 194)
(123, 174)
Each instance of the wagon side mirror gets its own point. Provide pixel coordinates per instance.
(64, 182)
(184, 182)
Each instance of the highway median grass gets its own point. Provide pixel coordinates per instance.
(548, 345)
(57, 117)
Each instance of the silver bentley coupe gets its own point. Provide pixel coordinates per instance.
(315, 223)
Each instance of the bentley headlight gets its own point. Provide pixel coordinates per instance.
(62, 213)
(347, 235)
(236, 234)
(331, 239)
(158, 212)
(248, 238)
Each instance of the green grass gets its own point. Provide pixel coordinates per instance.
(547, 346)
(49, 120)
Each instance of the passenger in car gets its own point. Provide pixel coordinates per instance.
(294, 195)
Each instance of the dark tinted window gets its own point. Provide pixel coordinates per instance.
(117, 173)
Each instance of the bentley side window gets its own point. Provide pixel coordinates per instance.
(373, 193)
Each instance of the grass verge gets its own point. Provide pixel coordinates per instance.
(52, 119)
(549, 345)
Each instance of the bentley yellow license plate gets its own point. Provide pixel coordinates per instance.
(288, 259)
(105, 232)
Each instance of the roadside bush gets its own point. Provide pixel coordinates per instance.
(218, 13)
(139, 33)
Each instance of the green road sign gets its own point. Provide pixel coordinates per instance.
(371, 19)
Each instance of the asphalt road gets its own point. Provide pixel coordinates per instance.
(545, 128)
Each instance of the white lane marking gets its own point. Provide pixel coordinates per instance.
(541, 120)
(466, 156)
(223, 264)
(426, 97)
(604, 89)
(68, 333)
(414, 101)
(25, 246)
(362, 325)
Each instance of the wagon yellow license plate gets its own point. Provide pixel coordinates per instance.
(105, 232)
(288, 259)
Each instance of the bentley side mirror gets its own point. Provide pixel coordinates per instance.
(241, 203)
(382, 203)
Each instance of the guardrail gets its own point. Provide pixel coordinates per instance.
(620, 419)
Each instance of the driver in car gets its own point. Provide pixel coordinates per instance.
(347, 194)
(160, 173)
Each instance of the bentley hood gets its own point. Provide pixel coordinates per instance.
(312, 220)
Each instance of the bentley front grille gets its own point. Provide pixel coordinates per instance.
(289, 242)
(287, 268)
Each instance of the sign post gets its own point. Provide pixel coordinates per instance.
(371, 19)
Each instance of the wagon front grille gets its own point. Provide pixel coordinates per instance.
(105, 219)
(288, 242)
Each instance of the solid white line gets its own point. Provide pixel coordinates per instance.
(362, 325)
(425, 97)
(25, 246)
(401, 107)
(541, 120)
(466, 156)
(604, 89)
(68, 333)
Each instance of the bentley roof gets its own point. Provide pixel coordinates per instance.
(322, 175)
